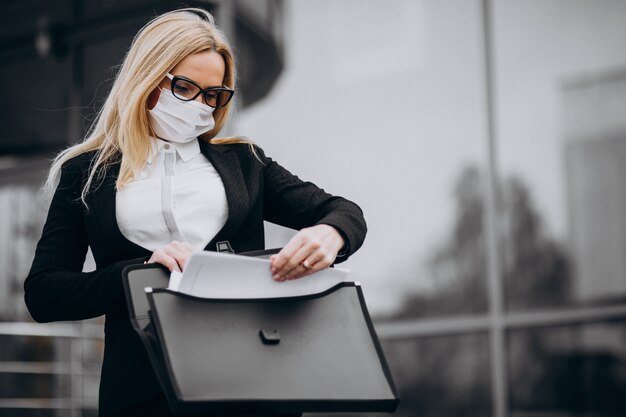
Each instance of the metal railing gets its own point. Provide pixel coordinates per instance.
(75, 368)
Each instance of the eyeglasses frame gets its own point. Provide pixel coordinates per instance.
(203, 91)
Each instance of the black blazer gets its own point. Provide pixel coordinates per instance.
(56, 289)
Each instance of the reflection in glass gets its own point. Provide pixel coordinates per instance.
(594, 148)
(568, 370)
(458, 265)
(561, 134)
(541, 272)
(439, 376)
(536, 266)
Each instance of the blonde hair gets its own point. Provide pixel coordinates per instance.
(121, 127)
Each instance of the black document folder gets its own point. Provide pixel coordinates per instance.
(314, 353)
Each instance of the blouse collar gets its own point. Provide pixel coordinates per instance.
(185, 150)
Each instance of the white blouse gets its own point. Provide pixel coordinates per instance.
(177, 196)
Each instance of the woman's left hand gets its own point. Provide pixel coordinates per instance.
(310, 250)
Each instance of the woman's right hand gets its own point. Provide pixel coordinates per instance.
(174, 255)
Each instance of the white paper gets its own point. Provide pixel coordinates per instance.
(218, 275)
(175, 278)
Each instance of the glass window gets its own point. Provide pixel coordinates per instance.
(402, 136)
(561, 95)
(568, 370)
(440, 376)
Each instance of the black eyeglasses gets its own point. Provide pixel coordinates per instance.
(186, 90)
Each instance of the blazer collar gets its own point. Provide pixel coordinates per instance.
(227, 165)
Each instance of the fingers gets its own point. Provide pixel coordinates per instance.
(160, 257)
(294, 266)
(311, 264)
(174, 255)
(279, 263)
(309, 251)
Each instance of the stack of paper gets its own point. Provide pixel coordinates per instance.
(218, 275)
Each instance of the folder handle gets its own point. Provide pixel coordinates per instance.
(269, 337)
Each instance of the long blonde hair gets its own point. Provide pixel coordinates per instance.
(121, 127)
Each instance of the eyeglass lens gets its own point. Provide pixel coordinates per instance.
(185, 90)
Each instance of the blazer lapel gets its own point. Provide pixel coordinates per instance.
(226, 163)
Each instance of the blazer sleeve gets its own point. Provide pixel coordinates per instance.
(294, 203)
(55, 288)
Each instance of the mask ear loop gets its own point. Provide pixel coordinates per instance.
(157, 100)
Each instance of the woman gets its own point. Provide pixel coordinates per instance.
(151, 183)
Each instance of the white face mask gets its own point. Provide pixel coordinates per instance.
(180, 121)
